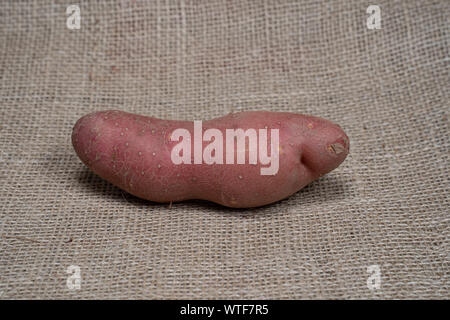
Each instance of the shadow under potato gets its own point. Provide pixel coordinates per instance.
(325, 189)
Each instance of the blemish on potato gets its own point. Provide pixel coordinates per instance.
(336, 148)
(310, 125)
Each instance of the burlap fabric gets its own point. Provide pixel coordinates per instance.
(387, 205)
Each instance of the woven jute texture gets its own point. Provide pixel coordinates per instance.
(386, 208)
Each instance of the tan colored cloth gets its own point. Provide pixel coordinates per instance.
(386, 205)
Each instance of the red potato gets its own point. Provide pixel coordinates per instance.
(139, 154)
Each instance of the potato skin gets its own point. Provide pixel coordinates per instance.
(133, 152)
